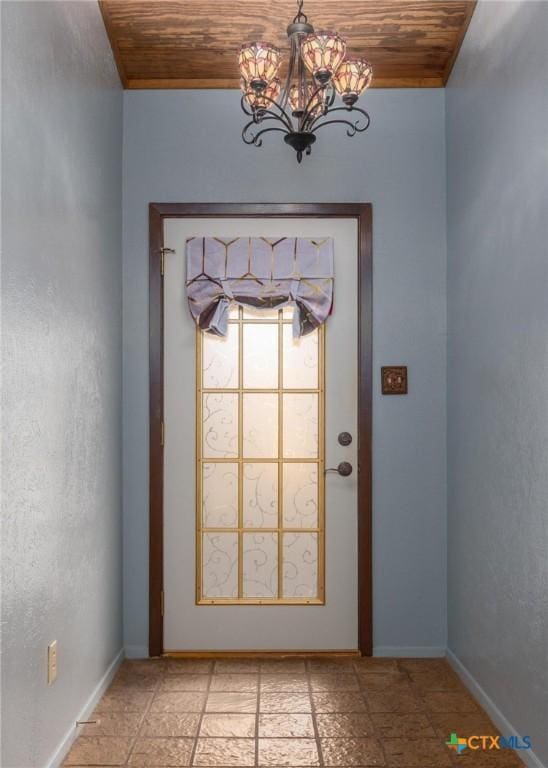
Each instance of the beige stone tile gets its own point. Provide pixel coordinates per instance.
(135, 683)
(180, 701)
(435, 681)
(375, 664)
(188, 666)
(402, 724)
(156, 753)
(382, 681)
(470, 723)
(287, 725)
(236, 666)
(284, 702)
(228, 725)
(399, 699)
(152, 667)
(189, 682)
(170, 724)
(338, 701)
(350, 752)
(225, 752)
(332, 682)
(271, 683)
(220, 701)
(273, 666)
(235, 683)
(331, 665)
(124, 700)
(138, 674)
(423, 753)
(423, 665)
(288, 752)
(449, 701)
(98, 750)
(342, 725)
(113, 724)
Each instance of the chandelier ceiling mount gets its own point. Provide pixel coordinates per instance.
(317, 72)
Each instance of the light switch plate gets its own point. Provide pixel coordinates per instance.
(394, 379)
(52, 662)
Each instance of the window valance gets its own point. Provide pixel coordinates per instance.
(259, 272)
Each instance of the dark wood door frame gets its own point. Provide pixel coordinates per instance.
(362, 213)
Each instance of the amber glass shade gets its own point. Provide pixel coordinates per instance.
(259, 63)
(323, 53)
(352, 78)
(314, 103)
(259, 99)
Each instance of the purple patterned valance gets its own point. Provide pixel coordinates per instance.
(259, 272)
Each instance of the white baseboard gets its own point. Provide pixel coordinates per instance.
(66, 743)
(506, 728)
(410, 651)
(136, 652)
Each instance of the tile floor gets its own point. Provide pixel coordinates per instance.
(288, 712)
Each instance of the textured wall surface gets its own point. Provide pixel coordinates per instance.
(497, 117)
(61, 554)
(186, 146)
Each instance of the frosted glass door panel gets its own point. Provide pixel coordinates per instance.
(300, 425)
(221, 360)
(260, 356)
(220, 495)
(260, 425)
(220, 425)
(260, 472)
(260, 495)
(300, 495)
(220, 565)
(300, 360)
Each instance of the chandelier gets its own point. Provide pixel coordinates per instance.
(317, 72)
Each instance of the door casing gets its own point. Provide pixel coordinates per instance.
(362, 213)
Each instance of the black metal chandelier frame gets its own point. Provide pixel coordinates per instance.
(299, 126)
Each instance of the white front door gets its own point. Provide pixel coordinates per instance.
(268, 560)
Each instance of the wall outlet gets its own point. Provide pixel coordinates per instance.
(52, 662)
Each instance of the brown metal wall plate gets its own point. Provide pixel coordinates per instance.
(394, 379)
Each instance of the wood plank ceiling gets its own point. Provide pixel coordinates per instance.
(195, 43)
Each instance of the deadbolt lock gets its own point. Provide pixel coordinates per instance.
(345, 438)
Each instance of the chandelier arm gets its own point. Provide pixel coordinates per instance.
(255, 139)
(308, 117)
(268, 118)
(353, 127)
(283, 116)
(352, 130)
(312, 125)
(246, 109)
(258, 116)
(314, 94)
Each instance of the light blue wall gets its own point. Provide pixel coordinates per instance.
(61, 285)
(497, 142)
(186, 146)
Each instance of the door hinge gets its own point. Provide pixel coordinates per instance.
(162, 602)
(163, 252)
(162, 433)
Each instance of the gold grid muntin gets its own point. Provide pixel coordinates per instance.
(240, 460)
